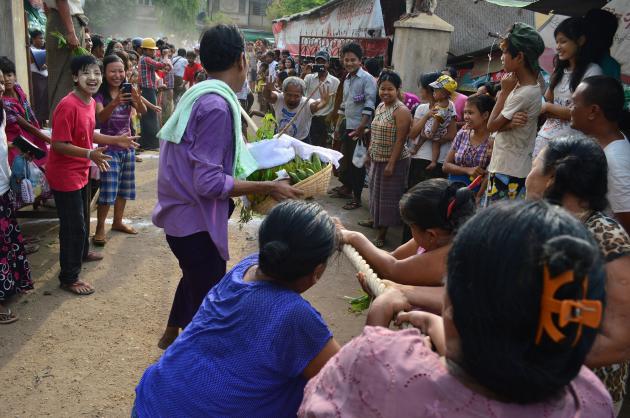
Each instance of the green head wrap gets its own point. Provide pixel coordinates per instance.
(527, 40)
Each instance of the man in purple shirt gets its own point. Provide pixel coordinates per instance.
(195, 182)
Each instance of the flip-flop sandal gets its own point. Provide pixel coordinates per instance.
(366, 224)
(8, 317)
(92, 256)
(99, 242)
(31, 248)
(351, 206)
(379, 243)
(338, 195)
(72, 288)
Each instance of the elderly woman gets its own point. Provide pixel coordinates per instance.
(502, 352)
(292, 108)
(201, 167)
(255, 341)
(572, 172)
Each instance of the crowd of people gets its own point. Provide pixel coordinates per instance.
(515, 258)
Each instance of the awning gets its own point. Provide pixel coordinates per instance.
(561, 7)
(252, 35)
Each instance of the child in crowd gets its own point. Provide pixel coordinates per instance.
(520, 95)
(21, 120)
(436, 121)
(191, 69)
(68, 167)
(16, 272)
(114, 107)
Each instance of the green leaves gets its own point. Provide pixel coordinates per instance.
(63, 43)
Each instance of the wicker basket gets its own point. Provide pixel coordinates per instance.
(316, 184)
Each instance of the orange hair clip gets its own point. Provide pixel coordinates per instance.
(583, 312)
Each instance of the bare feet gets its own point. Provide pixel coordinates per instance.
(79, 287)
(124, 228)
(170, 335)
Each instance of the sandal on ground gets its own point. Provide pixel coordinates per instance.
(366, 224)
(339, 195)
(77, 288)
(139, 159)
(92, 256)
(99, 242)
(8, 317)
(31, 248)
(32, 240)
(352, 205)
(379, 243)
(125, 229)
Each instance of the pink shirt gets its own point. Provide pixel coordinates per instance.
(460, 102)
(384, 373)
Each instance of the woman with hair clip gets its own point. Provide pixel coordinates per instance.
(574, 61)
(254, 342)
(572, 172)
(501, 349)
(389, 158)
(434, 210)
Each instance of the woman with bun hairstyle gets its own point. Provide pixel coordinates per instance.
(501, 350)
(434, 210)
(572, 172)
(254, 342)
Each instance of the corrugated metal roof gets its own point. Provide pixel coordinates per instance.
(473, 21)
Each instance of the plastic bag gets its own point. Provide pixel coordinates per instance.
(360, 155)
(26, 191)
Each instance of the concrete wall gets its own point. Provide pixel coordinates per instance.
(13, 36)
(420, 45)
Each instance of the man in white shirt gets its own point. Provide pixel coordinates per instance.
(597, 111)
(67, 18)
(318, 134)
(292, 108)
(179, 66)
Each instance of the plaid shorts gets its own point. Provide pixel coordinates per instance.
(120, 179)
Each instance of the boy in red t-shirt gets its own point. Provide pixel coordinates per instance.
(68, 166)
(191, 69)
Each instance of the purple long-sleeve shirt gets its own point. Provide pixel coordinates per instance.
(195, 176)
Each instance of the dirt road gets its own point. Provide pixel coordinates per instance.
(72, 356)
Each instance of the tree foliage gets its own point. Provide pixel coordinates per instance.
(280, 8)
(178, 14)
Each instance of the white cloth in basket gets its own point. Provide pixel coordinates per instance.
(278, 151)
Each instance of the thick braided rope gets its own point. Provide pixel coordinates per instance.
(373, 282)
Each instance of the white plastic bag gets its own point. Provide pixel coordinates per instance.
(360, 155)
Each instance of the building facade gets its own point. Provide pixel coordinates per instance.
(247, 14)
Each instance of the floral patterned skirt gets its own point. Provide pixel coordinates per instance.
(15, 271)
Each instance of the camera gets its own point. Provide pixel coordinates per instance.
(319, 68)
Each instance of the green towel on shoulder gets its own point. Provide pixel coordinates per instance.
(174, 128)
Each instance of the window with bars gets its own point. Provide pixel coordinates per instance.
(242, 6)
(258, 7)
(216, 5)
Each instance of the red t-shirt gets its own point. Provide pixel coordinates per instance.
(73, 121)
(190, 71)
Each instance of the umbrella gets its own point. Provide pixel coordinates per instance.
(562, 7)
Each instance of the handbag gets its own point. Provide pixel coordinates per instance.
(360, 154)
(26, 187)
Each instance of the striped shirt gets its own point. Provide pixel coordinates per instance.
(359, 97)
